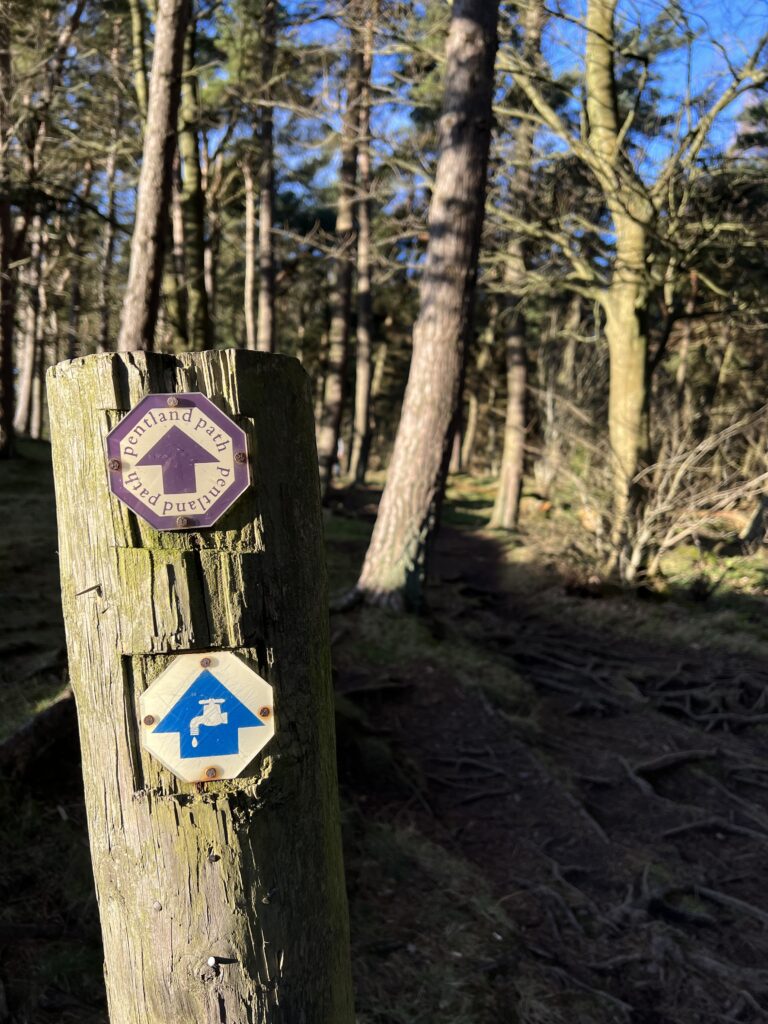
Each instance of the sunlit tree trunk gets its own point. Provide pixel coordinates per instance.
(199, 333)
(396, 561)
(340, 298)
(249, 287)
(506, 508)
(625, 299)
(362, 416)
(265, 327)
(107, 247)
(142, 295)
(29, 337)
(7, 283)
(75, 240)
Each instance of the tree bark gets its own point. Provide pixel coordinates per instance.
(142, 295)
(219, 901)
(265, 329)
(396, 562)
(361, 427)
(199, 333)
(138, 56)
(625, 299)
(506, 507)
(30, 336)
(340, 299)
(7, 242)
(249, 287)
(75, 249)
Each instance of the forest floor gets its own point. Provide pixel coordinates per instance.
(555, 794)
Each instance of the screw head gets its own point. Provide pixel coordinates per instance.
(239, 456)
(172, 400)
(157, 905)
(182, 521)
(149, 720)
(114, 464)
(210, 773)
(206, 662)
(265, 712)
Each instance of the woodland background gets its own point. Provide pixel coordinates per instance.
(548, 220)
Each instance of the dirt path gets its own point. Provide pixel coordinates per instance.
(622, 822)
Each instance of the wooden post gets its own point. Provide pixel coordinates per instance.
(220, 902)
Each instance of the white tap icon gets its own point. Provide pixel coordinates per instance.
(211, 715)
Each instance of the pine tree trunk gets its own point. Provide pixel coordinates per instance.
(470, 432)
(29, 340)
(249, 288)
(361, 428)
(142, 295)
(107, 252)
(506, 507)
(75, 250)
(199, 334)
(265, 330)
(138, 55)
(340, 299)
(396, 562)
(7, 244)
(219, 901)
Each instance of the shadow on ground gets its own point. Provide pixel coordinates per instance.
(554, 802)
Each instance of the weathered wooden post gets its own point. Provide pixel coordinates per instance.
(221, 901)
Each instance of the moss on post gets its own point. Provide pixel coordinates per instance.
(222, 902)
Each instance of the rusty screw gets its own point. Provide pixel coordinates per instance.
(205, 662)
(149, 720)
(239, 456)
(265, 712)
(182, 521)
(114, 464)
(172, 400)
(210, 773)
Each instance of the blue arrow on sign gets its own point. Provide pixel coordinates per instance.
(208, 719)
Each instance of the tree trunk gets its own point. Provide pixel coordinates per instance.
(36, 411)
(265, 330)
(628, 393)
(7, 242)
(142, 295)
(470, 432)
(396, 562)
(340, 299)
(175, 272)
(75, 250)
(107, 251)
(219, 901)
(138, 56)
(625, 300)
(199, 334)
(361, 428)
(249, 290)
(506, 507)
(29, 340)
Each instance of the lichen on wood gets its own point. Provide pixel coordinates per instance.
(221, 902)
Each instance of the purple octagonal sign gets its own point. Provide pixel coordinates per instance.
(178, 461)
